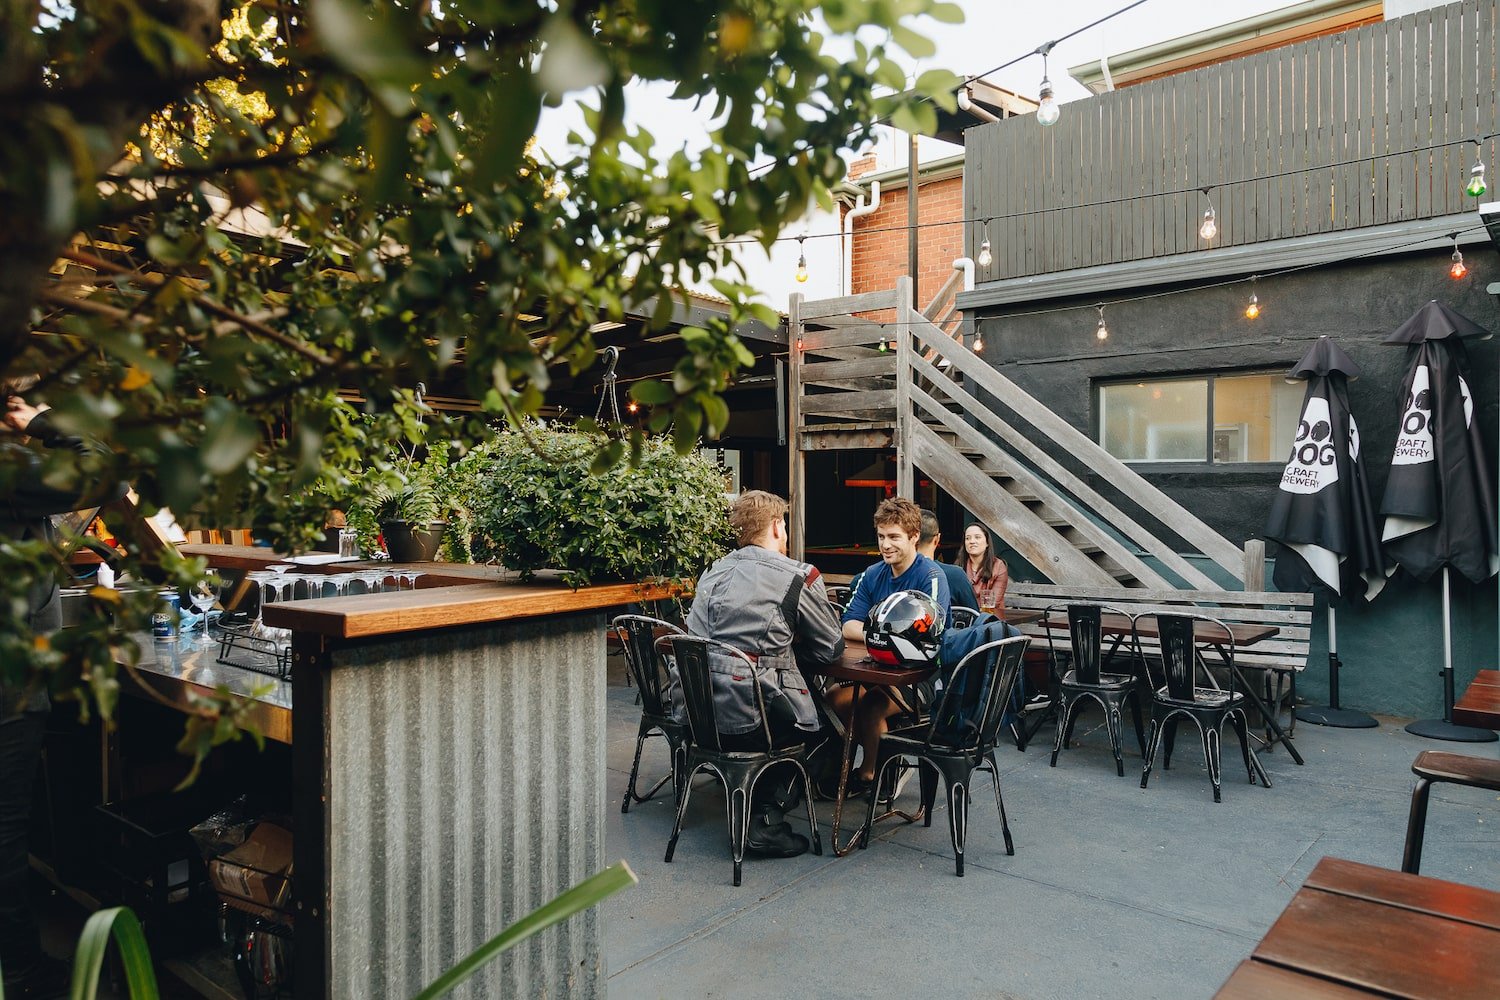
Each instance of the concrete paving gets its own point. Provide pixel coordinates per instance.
(1114, 891)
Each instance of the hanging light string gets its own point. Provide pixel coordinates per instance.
(968, 320)
(1476, 186)
(1458, 268)
(1126, 199)
(969, 324)
(1045, 47)
(1252, 308)
(1210, 227)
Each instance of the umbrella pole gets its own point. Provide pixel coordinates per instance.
(1444, 729)
(1331, 714)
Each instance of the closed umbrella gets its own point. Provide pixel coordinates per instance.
(1439, 508)
(1322, 515)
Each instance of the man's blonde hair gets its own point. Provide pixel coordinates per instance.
(753, 513)
(901, 512)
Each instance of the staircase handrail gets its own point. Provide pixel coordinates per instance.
(1129, 482)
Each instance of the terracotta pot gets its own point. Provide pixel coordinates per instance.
(407, 544)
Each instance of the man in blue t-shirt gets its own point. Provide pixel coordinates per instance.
(898, 526)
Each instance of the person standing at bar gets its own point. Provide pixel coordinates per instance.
(25, 516)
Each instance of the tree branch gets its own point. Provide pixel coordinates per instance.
(248, 323)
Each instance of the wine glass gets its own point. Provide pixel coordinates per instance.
(203, 595)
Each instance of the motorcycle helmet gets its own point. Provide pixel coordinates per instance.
(905, 630)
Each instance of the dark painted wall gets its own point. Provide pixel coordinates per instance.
(1392, 648)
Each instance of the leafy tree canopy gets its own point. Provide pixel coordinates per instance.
(216, 215)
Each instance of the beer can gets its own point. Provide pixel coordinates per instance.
(164, 619)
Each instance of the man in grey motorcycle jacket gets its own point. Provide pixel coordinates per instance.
(776, 610)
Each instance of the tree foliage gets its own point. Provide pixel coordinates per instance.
(217, 215)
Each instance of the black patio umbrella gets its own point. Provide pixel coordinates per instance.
(1322, 515)
(1439, 507)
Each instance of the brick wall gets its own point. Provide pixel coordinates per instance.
(880, 240)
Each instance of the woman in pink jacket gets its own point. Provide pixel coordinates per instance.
(986, 572)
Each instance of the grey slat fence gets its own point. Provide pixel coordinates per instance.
(1348, 115)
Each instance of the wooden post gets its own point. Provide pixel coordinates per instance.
(905, 485)
(796, 480)
(1255, 566)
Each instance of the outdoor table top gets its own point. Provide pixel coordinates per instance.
(1355, 930)
(1114, 624)
(1480, 702)
(856, 665)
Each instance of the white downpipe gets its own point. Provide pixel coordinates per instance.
(859, 211)
(966, 265)
(967, 103)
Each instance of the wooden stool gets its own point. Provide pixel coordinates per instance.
(1439, 765)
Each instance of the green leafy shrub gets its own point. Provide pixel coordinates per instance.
(543, 503)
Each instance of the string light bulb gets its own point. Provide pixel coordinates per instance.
(1476, 186)
(1210, 227)
(632, 407)
(1458, 268)
(1047, 110)
(801, 274)
(985, 257)
(1252, 308)
(1102, 332)
(978, 341)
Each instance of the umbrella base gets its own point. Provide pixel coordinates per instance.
(1339, 718)
(1437, 729)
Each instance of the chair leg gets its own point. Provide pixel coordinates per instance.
(1211, 755)
(739, 828)
(1416, 826)
(1010, 846)
(1064, 729)
(1113, 725)
(1170, 743)
(1151, 744)
(635, 767)
(812, 816)
(1241, 728)
(927, 777)
(958, 822)
(687, 790)
(1135, 710)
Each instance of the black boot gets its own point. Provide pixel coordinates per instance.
(768, 840)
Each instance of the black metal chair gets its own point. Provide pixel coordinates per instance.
(1087, 680)
(739, 770)
(638, 635)
(958, 739)
(964, 617)
(1183, 695)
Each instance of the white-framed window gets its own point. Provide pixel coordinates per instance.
(1202, 419)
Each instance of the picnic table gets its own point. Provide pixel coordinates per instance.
(1354, 930)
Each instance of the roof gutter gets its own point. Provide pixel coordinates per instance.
(859, 211)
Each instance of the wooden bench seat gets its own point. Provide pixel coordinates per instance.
(1280, 657)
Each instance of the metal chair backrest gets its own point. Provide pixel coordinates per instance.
(1085, 636)
(638, 635)
(964, 617)
(1181, 639)
(692, 655)
(967, 716)
(839, 595)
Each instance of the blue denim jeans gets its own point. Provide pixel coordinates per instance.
(20, 751)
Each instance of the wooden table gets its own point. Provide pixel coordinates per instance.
(1207, 633)
(859, 671)
(1354, 930)
(1480, 704)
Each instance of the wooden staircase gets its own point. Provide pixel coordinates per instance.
(902, 378)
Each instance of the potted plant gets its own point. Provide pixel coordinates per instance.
(542, 500)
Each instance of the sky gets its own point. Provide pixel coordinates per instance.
(994, 32)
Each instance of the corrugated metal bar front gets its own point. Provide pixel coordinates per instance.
(466, 787)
